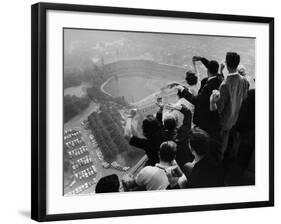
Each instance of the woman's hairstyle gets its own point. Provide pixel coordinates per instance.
(168, 151)
(191, 78)
(151, 127)
(170, 122)
(108, 184)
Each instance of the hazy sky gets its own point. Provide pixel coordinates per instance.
(100, 42)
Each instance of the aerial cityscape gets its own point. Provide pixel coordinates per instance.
(109, 74)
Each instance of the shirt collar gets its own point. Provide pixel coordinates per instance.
(212, 77)
(231, 74)
(161, 166)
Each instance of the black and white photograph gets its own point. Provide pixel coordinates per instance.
(142, 111)
(146, 111)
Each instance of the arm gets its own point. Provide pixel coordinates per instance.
(220, 102)
(141, 143)
(184, 93)
(220, 74)
(159, 114)
(187, 117)
(177, 170)
(205, 62)
(176, 177)
(128, 130)
(194, 59)
(247, 86)
(140, 178)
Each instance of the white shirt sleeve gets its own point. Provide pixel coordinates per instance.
(140, 178)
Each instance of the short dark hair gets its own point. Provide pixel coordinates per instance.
(108, 184)
(213, 67)
(170, 123)
(199, 141)
(191, 78)
(151, 127)
(232, 60)
(168, 151)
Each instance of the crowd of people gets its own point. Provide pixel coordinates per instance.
(206, 139)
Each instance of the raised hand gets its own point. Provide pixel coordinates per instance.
(172, 85)
(222, 66)
(179, 88)
(196, 58)
(133, 113)
(128, 129)
(215, 96)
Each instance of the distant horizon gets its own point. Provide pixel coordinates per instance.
(81, 45)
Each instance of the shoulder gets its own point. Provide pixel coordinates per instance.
(145, 173)
(203, 81)
(245, 82)
(224, 85)
(203, 163)
(245, 79)
(215, 82)
(147, 170)
(224, 89)
(219, 79)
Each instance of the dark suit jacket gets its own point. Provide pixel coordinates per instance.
(150, 146)
(203, 117)
(206, 173)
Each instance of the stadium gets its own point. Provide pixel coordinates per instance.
(141, 81)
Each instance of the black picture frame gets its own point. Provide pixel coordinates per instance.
(39, 107)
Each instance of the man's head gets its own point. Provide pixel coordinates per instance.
(167, 151)
(151, 127)
(128, 182)
(213, 67)
(170, 121)
(108, 184)
(232, 61)
(199, 142)
(191, 78)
